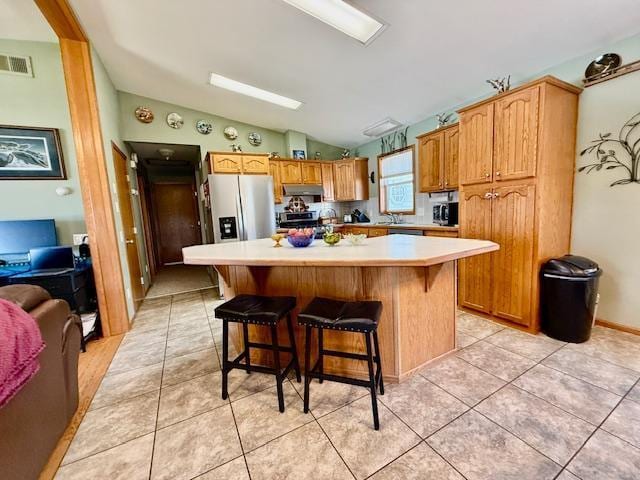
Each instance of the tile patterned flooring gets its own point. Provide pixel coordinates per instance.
(506, 405)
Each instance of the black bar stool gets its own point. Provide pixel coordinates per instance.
(258, 310)
(362, 317)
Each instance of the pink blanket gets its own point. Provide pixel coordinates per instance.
(20, 345)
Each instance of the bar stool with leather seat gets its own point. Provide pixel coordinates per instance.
(360, 317)
(258, 310)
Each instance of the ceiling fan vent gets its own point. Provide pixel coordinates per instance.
(15, 65)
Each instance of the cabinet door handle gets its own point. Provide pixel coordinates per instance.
(486, 175)
(497, 174)
(496, 195)
(488, 195)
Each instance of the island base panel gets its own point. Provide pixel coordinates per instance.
(417, 323)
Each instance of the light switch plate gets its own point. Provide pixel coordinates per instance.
(77, 238)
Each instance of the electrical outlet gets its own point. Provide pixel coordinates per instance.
(77, 238)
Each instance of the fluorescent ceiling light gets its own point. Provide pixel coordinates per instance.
(251, 91)
(381, 127)
(341, 16)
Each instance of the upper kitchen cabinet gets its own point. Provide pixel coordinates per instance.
(255, 164)
(290, 171)
(311, 172)
(238, 163)
(430, 158)
(224, 162)
(351, 177)
(438, 160)
(328, 190)
(516, 135)
(517, 157)
(274, 171)
(476, 145)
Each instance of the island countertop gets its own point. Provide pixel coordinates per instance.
(390, 250)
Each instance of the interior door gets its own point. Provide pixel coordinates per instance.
(516, 135)
(177, 225)
(476, 145)
(129, 234)
(430, 157)
(512, 225)
(451, 152)
(474, 287)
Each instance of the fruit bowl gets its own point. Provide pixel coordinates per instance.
(331, 238)
(301, 238)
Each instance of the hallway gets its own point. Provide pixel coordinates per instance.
(175, 279)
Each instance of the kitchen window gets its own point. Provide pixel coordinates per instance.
(396, 182)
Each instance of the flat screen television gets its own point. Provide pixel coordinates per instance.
(20, 236)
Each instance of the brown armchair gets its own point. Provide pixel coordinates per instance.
(33, 421)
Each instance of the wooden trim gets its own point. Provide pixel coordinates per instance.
(62, 19)
(546, 79)
(415, 190)
(438, 129)
(618, 326)
(91, 160)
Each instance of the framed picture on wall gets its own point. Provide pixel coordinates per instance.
(298, 154)
(30, 153)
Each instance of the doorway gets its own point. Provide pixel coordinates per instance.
(169, 179)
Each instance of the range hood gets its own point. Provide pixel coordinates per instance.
(302, 190)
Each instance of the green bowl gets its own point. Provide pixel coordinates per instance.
(331, 238)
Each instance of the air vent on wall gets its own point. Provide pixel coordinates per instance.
(15, 65)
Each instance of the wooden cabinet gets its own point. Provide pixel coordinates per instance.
(476, 145)
(378, 232)
(438, 160)
(274, 171)
(359, 230)
(516, 176)
(351, 179)
(290, 171)
(516, 135)
(225, 163)
(311, 172)
(255, 164)
(441, 233)
(327, 181)
(430, 157)
(450, 161)
(512, 223)
(474, 286)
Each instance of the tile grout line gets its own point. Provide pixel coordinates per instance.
(164, 359)
(233, 414)
(599, 427)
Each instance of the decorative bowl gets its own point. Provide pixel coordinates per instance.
(300, 240)
(331, 238)
(355, 239)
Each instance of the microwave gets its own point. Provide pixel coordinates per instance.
(445, 214)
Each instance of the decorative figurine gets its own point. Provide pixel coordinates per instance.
(346, 153)
(236, 147)
(500, 84)
(443, 118)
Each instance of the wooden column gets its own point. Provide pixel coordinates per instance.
(91, 160)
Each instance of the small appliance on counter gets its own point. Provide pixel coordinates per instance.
(445, 214)
(360, 217)
(327, 217)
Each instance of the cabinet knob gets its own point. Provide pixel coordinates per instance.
(486, 175)
(497, 174)
(488, 195)
(496, 195)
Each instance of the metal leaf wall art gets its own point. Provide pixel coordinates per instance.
(613, 153)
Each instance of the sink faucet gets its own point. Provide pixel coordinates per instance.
(392, 216)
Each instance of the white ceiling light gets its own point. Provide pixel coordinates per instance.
(251, 91)
(381, 127)
(341, 16)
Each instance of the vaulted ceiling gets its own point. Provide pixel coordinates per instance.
(434, 54)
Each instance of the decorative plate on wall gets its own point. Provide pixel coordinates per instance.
(144, 114)
(175, 120)
(255, 139)
(204, 127)
(231, 133)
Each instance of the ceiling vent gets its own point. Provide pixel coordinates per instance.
(382, 127)
(15, 65)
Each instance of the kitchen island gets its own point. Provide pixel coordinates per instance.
(414, 277)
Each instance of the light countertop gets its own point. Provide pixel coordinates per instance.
(388, 250)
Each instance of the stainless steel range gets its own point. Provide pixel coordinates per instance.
(300, 220)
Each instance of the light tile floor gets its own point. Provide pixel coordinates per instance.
(506, 405)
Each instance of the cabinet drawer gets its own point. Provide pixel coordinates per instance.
(359, 230)
(378, 232)
(441, 233)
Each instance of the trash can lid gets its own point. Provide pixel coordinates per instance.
(572, 266)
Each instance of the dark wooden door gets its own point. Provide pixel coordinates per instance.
(176, 215)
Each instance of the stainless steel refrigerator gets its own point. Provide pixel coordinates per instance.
(242, 207)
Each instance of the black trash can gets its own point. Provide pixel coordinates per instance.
(569, 292)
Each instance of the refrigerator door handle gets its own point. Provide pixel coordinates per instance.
(240, 219)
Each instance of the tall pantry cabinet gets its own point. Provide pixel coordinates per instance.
(517, 155)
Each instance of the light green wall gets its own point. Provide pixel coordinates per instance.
(327, 152)
(294, 141)
(40, 101)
